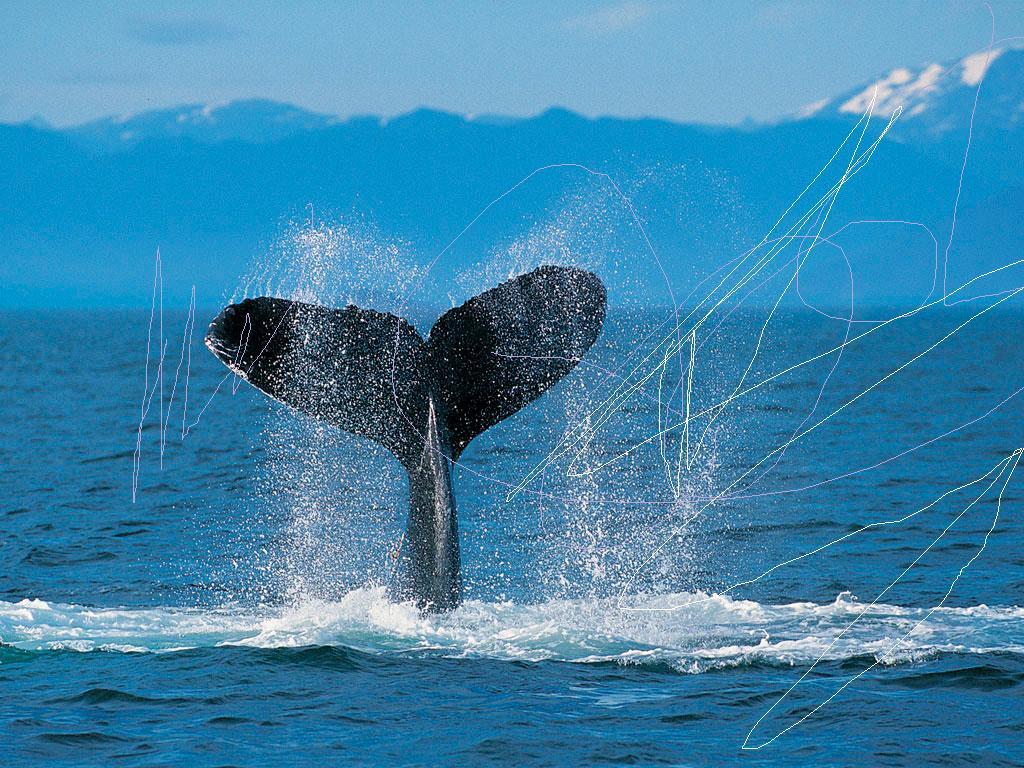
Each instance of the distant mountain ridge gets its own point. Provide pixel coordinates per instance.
(934, 98)
(937, 99)
(251, 120)
(86, 207)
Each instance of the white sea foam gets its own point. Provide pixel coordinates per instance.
(713, 631)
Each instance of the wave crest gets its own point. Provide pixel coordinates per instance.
(691, 632)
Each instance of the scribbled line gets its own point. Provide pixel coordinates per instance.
(156, 317)
(1004, 471)
(685, 339)
(807, 232)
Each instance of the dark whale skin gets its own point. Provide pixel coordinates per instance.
(371, 373)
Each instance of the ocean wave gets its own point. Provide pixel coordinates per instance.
(690, 632)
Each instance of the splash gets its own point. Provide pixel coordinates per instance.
(334, 262)
(716, 632)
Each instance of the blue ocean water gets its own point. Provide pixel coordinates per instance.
(234, 612)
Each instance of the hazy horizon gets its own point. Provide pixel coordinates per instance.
(634, 58)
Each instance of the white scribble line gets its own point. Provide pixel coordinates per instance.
(554, 166)
(591, 428)
(828, 545)
(1015, 458)
(967, 149)
(1010, 294)
(144, 408)
(186, 341)
(164, 414)
(188, 359)
(206, 405)
(738, 280)
(237, 369)
(618, 398)
(805, 432)
(243, 345)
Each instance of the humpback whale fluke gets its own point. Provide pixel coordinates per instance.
(370, 373)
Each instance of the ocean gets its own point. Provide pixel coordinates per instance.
(801, 553)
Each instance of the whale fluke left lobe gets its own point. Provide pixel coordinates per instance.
(354, 368)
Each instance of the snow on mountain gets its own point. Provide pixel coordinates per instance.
(936, 99)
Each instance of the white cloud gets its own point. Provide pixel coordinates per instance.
(612, 18)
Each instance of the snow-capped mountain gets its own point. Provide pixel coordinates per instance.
(936, 101)
(937, 98)
(255, 121)
(209, 183)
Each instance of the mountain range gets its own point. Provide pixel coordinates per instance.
(214, 187)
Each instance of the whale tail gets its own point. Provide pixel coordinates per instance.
(372, 374)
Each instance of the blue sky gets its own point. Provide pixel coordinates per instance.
(717, 62)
